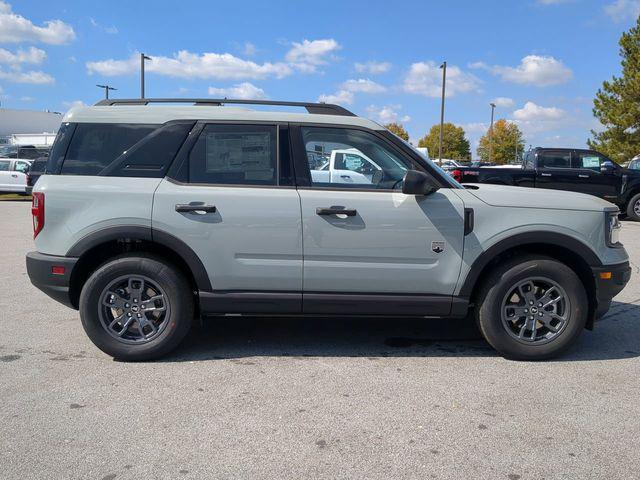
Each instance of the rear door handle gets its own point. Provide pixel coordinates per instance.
(583, 176)
(190, 208)
(545, 174)
(349, 212)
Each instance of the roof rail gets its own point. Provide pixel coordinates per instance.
(317, 108)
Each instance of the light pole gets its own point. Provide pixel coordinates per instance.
(106, 90)
(143, 57)
(493, 107)
(444, 82)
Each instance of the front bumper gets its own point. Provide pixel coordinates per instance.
(56, 285)
(610, 280)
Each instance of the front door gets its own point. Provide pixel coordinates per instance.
(369, 248)
(233, 208)
(592, 179)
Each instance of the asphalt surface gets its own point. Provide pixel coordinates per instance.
(322, 398)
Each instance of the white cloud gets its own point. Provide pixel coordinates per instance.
(621, 10)
(15, 28)
(341, 97)
(533, 112)
(112, 30)
(185, 64)
(474, 127)
(310, 53)
(34, 77)
(363, 85)
(536, 70)
(27, 99)
(74, 104)
(503, 102)
(373, 68)
(242, 91)
(387, 114)
(249, 49)
(425, 78)
(31, 55)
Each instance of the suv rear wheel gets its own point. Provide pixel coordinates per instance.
(136, 307)
(532, 308)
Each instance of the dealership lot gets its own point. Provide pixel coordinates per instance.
(321, 398)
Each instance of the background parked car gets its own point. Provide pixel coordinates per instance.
(37, 168)
(13, 175)
(634, 164)
(577, 170)
(25, 152)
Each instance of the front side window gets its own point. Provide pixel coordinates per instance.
(22, 167)
(95, 146)
(235, 155)
(352, 159)
(590, 160)
(552, 159)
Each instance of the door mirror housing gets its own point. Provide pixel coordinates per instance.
(607, 167)
(418, 183)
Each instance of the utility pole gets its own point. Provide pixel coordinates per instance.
(106, 90)
(493, 107)
(444, 82)
(143, 57)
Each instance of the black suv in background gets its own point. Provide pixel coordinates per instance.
(572, 169)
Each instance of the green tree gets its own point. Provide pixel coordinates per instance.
(616, 104)
(454, 142)
(397, 129)
(506, 135)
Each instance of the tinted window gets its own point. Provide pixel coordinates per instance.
(32, 153)
(152, 157)
(345, 158)
(552, 159)
(59, 147)
(94, 146)
(235, 154)
(4, 165)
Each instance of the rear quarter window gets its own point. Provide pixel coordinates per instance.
(95, 146)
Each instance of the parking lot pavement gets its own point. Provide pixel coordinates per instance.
(294, 398)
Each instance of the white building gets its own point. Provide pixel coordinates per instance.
(16, 126)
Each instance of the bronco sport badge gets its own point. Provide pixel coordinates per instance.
(437, 247)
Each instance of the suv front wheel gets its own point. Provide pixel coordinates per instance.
(136, 307)
(532, 308)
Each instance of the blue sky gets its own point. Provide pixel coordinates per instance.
(543, 60)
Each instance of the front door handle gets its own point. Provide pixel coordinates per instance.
(545, 174)
(191, 208)
(349, 212)
(583, 176)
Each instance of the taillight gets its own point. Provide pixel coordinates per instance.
(37, 211)
(457, 175)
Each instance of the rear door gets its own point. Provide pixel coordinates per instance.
(230, 198)
(555, 171)
(370, 249)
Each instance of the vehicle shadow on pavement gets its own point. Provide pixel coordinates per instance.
(616, 337)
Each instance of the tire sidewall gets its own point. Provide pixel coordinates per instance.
(167, 277)
(503, 280)
(630, 210)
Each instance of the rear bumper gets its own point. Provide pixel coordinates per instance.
(611, 285)
(40, 271)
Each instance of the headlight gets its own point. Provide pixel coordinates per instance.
(613, 227)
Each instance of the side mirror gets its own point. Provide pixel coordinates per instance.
(418, 183)
(607, 167)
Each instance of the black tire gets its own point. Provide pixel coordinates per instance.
(178, 314)
(631, 208)
(496, 289)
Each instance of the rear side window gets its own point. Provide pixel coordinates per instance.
(4, 165)
(235, 155)
(551, 159)
(95, 146)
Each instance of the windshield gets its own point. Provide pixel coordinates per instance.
(448, 178)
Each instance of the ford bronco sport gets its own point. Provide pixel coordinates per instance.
(149, 216)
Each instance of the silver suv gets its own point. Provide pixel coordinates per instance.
(151, 215)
